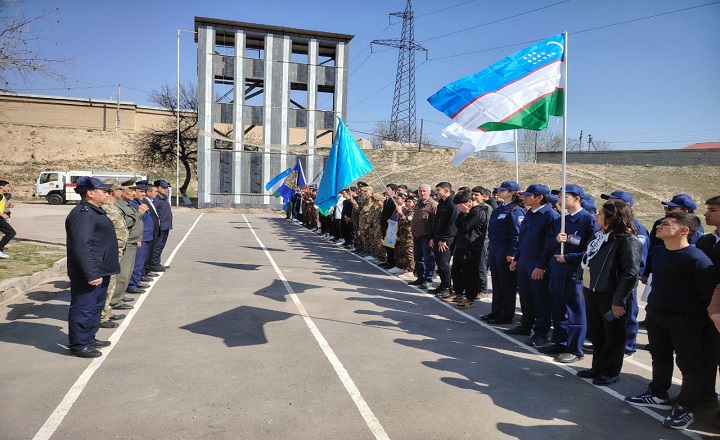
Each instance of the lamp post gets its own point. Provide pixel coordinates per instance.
(177, 128)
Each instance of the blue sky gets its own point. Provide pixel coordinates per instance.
(646, 84)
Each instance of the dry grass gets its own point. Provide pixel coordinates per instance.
(28, 258)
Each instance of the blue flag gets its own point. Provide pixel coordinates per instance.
(345, 164)
(276, 182)
(295, 180)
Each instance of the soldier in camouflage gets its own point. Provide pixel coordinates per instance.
(404, 252)
(122, 233)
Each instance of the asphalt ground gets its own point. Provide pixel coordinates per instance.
(261, 330)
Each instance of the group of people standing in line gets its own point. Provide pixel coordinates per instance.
(115, 239)
(580, 280)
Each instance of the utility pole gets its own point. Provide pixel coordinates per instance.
(403, 110)
(536, 136)
(421, 130)
(580, 148)
(117, 110)
(590, 142)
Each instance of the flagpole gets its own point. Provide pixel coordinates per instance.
(564, 151)
(517, 161)
(383, 185)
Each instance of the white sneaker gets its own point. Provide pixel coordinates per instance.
(4, 255)
(340, 242)
(371, 259)
(395, 270)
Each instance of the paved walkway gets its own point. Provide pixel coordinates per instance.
(260, 330)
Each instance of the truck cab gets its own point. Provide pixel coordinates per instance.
(58, 187)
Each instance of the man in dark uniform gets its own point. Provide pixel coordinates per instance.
(92, 257)
(162, 206)
(147, 238)
(388, 210)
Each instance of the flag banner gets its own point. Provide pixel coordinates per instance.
(276, 182)
(345, 164)
(391, 234)
(295, 180)
(473, 141)
(520, 91)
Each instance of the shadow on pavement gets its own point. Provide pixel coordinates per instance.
(238, 327)
(238, 266)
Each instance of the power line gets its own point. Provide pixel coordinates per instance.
(576, 32)
(494, 21)
(63, 88)
(445, 9)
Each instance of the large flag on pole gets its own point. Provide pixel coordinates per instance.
(345, 164)
(472, 141)
(295, 180)
(276, 182)
(520, 91)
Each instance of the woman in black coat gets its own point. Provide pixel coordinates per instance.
(613, 262)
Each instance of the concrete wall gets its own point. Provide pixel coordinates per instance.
(52, 111)
(637, 157)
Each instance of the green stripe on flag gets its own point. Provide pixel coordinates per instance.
(534, 117)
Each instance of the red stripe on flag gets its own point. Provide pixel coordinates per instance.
(506, 85)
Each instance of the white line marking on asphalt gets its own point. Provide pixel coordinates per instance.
(422, 293)
(53, 422)
(372, 422)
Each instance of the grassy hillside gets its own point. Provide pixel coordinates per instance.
(649, 184)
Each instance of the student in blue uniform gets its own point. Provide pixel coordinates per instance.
(504, 229)
(536, 244)
(145, 246)
(568, 305)
(92, 257)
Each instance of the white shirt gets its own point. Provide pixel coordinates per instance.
(339, 208)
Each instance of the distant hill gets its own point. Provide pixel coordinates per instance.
(27, 150)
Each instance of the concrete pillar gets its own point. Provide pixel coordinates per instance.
(284, 80)
(341, 80)
(206, 46)
(267, 111)
(311, 107)
(238, 106)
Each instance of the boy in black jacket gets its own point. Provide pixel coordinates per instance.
(469, 242)
(676, 318)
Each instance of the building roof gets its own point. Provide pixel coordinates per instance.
(268, 29)
(703, 146)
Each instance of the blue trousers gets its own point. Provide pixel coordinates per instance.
(140, 258)
(568, 312)
(158, 248)
(86, 304)
(534, 297)
(424, 258)
(632, 327)
(504, 281)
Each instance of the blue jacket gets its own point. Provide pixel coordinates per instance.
(644, 237)
(162, 205)
(581, 225)
(504, 226)
(653, 241)
(148, 222)
(92, 248)
(536, 240)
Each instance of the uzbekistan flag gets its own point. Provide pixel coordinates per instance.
(521, 91)
(276, 182)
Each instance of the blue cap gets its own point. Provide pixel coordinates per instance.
(161, 183)
(682, 201)
(588, 203)
(622, 195)
(87, 183)
(553, 199)
(508, 185)
(571, 188)
(537, 189)
(142, 185)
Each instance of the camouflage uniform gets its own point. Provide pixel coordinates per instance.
(121, 230)
(358, 206)
(375, 238)
(404, 242)
(364, 223)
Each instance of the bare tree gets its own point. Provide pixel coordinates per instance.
(158, 145)
(20, 54)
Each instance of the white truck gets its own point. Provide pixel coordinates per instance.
(58, 186)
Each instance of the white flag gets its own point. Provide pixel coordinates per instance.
(473, 141)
